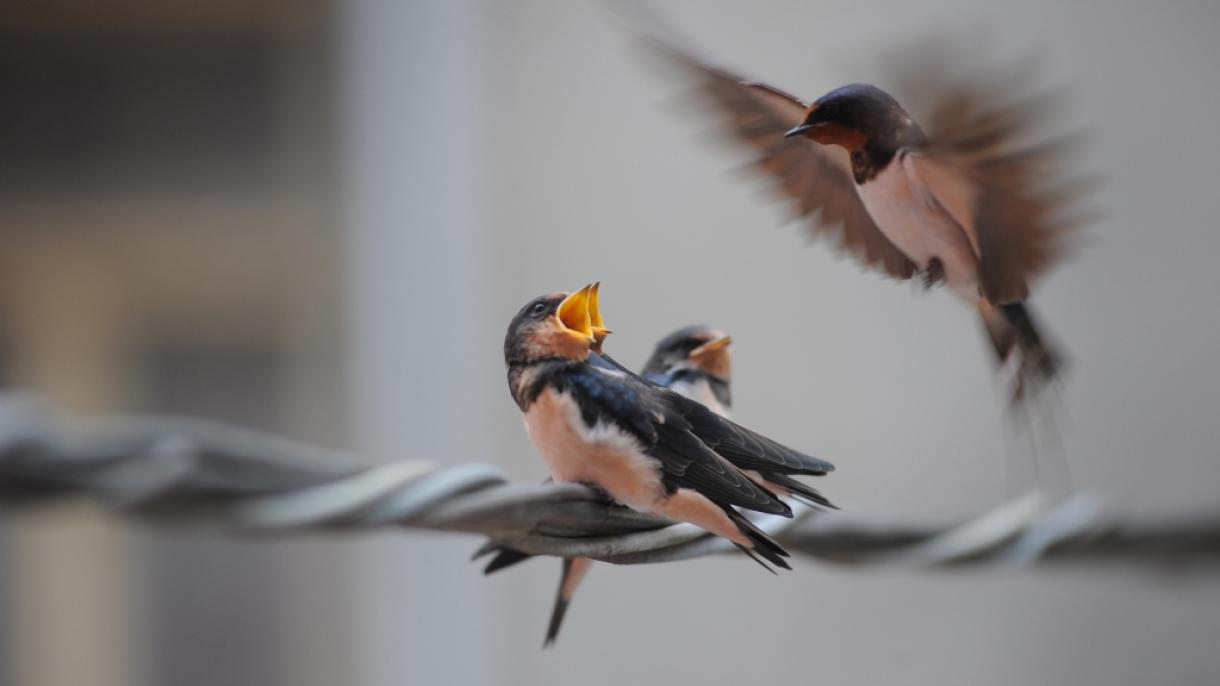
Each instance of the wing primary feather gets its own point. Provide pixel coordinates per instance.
(800, 491)
(751, 554)
(744, 448)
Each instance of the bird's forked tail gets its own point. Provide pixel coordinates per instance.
(1012, 331)
(574, 570)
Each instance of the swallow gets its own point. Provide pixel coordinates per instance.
(695, 362)
(651, 449)
(973, 203)
(574, 568)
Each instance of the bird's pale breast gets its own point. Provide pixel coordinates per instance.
(603, 454)
(908, 214)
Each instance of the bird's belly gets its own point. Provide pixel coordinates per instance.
(922, 231)
(602, 455)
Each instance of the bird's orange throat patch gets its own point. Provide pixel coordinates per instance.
(551, 342)
(836, 134)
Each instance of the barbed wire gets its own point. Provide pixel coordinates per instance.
(183, 469)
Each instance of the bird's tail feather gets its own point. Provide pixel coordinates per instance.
(560, 608)
(574, 570)
(763, 545)
(505, 557)
(1012, 331)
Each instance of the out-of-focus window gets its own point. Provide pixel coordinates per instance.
(104, 111)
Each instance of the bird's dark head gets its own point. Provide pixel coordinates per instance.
(557, 326)
(698, 348)
(853, 117)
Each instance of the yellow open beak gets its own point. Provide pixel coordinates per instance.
(574, 313)
(710, 350)
(595, 316)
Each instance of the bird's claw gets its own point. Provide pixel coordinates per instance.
(933, 274)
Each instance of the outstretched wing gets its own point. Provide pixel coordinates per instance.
(817, 180)
(1013, 202)
(990, 162)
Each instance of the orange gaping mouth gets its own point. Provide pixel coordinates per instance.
(574, 313)
(595, 316)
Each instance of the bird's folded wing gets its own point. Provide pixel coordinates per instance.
(615, 396)
(689, 463)
(744, 448)
(817, 179)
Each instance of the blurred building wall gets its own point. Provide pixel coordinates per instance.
(421, 317)
(167, 244)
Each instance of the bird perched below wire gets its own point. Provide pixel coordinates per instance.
(595, 422)
(976, 201)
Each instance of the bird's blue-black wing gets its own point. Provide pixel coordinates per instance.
(606, 393)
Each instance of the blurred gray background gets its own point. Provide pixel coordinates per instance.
(317, 218)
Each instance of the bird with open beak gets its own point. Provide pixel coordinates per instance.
(695, 362)
(649, 448)
(977, 203)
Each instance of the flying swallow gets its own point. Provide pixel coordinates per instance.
(649, 448)
(973, 203)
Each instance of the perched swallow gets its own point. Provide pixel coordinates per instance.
(695, 362)
(653, 450)
(973, 203)
(689, 362)
(574, 568)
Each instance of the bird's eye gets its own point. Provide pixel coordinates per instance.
(538, 309)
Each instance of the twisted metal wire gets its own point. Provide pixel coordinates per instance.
(170, 469)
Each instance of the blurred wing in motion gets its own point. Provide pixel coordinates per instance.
(991, 163)
(817, 179)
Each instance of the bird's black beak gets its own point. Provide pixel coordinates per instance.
(798, 130)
